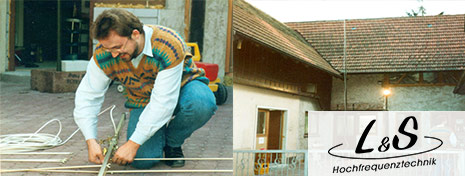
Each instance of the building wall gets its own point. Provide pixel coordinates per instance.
(215, 32)
(306, 104)
(172, 16)
(438, 98)
(4, 23)
(246, 101)
(365, 93)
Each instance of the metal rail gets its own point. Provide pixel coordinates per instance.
(126, 171)
(113, 143)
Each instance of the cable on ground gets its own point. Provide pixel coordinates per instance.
(27, 142)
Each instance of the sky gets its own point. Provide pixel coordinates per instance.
(318, 10)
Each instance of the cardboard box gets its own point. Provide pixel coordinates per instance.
(52, 81)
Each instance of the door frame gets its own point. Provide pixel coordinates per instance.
(283, 126)
(11, 36)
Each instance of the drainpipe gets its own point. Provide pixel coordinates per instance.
(345, 70)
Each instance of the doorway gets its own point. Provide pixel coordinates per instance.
(36, 29)
(269, 135)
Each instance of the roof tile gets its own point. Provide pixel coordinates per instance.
(255, 24)
(402, 44)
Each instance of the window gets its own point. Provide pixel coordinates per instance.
(261, 124)
(311, 124)
(306, 125)
(310, 88)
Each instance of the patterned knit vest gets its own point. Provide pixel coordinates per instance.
(168, 50)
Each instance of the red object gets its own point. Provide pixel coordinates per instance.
(211, 70)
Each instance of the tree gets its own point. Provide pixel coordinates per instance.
(421, 11)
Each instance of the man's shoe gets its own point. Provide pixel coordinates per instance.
(174, 152)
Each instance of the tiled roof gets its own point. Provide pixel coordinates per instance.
(255, 24)
(403, 44)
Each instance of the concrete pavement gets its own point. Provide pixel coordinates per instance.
(23, 110)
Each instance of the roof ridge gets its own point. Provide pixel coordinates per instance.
(242, 3)
(259, 26)
(380, 18)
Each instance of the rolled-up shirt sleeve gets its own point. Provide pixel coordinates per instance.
(89, 99)
(163, 101)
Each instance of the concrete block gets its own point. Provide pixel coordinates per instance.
(52, 81)
(74, 65)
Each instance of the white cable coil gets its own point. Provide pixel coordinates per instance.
(16, 143)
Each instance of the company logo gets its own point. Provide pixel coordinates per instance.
(386, 143)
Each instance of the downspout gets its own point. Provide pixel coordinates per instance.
(345, 70)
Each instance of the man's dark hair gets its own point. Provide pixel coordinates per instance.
(119, 20)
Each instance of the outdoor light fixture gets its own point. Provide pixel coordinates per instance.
(386, 93)
(239, 44)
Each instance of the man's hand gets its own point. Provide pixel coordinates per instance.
(95, 151)
(126, 153)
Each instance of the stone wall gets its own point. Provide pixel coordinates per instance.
(216, 26)
(438, 98)
(172, 16)
(365, 93)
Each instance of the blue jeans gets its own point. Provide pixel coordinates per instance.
(196, 105)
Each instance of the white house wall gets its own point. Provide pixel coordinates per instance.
(4, 24)
(215, 32)
(306, 104)
(246, 101)
(366, 89)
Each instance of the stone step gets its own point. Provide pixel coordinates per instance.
(16, 76)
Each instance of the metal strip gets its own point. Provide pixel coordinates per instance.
(49, 168)
(306, 163)
(36, 160)
(131, 171)
(113, 143)
(271, 162)
(199, 159)
(39, 153)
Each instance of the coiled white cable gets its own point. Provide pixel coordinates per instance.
(16, 143)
